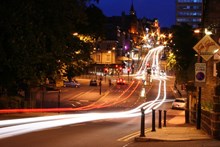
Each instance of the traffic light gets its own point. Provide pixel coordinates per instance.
(129, 69)
(148, 65)
(105, 70)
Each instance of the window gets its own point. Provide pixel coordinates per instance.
(196, 20)
(108, 58)
(189, 1)
(189, 20)
(189, 14)
(98, 59)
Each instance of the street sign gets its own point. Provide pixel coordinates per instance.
(206, 47)
(200, 74)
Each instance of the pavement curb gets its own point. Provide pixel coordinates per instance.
(172, 134)
(148, 139)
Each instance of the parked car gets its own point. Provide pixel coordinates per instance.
(93, 82)
(73, 83)
(179, 103)
(120, 81)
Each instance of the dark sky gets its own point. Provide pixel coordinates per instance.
(164, 10)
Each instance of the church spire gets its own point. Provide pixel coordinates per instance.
(132, 11)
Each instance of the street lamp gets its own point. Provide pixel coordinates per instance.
(100, 86)
(58, 100)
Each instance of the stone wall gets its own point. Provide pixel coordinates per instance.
(210, 120)
(210, 123)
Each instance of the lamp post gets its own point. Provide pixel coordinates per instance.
(100, 86)
(58, 101)
(200, 76)
(43, 96)
(198, 119)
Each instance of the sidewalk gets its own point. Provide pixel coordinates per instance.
(175, 130)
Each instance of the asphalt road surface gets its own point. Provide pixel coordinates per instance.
(116, 132)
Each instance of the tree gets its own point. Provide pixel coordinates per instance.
(182, 49)
(36, 41)
(95, 27)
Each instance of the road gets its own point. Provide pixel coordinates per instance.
(110, 117)
(109, 133)
(85, 95)
(104, 132)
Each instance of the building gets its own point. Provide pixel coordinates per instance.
(122, 35)
(211, 23)
(190, 12)
(212, 18)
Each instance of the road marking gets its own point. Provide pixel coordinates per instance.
(131, 136)
(77, 97)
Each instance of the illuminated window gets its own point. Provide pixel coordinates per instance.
(98, 58)
(108, 58)
(189, 1)
(189, 14)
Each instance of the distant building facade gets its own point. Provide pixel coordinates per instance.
(190, 12)
(123, 34)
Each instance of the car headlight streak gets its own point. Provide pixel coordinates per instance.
(20, 126)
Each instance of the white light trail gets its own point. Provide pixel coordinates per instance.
(153, 57)
(20, 126)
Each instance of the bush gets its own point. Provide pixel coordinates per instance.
(3, 102)
(207, 105)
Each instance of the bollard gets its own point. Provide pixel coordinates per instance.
(160, 126)
(153, 121)
(164, 118)
(142, 123)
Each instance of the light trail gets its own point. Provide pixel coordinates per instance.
(97, 104)
(153, 57)
(100, 104)
(63, 121)
(20, 126)
(40, 123)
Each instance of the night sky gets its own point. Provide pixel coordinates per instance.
(164, 10)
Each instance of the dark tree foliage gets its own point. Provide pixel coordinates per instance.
(183, 42)
(95, 24)
(36, 41)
